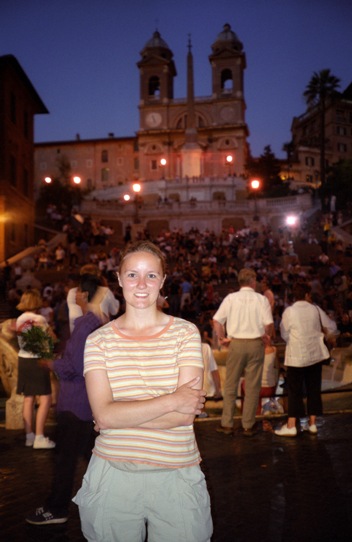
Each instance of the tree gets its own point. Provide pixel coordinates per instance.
(63, 195)
(289, 149)
(60, 192)
(321, 88)
(267, 168)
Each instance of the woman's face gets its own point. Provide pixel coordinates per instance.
(141, 279)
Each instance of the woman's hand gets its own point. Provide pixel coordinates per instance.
(189, 399)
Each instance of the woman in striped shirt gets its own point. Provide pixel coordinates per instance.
(144, 374)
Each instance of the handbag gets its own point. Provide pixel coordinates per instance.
(328, 360)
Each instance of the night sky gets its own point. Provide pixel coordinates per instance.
(81, 57)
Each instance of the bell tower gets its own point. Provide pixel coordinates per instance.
(157, 71)
(228, 62)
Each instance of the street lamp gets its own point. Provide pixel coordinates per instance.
(255, 185)
(136, 187)
(47, 180)
(163, 163)
(291, 222)
(76, 179)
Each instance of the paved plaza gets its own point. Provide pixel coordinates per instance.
(265, 488)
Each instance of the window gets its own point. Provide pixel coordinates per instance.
(136, 164)
(153, 165)
(226, 81)
(340, 115)
(26, 182)
(154, 87)
(42, 166)
(13, 171)
(341, 130)
(73, 164)
(119, 161)
(105, 174)
(342, 147)
(309, 161)
(104, 156)
(135, 145)
(89, 163)
(200, 122)
(309, 178)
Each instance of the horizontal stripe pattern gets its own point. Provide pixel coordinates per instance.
(141, 368)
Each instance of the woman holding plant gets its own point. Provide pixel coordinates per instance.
(35, 340)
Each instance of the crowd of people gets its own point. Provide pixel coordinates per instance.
(171, 294)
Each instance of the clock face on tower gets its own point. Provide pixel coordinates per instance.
(153, 119)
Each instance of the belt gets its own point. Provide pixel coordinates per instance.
(238, 339)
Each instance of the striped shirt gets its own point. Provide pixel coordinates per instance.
(140, 368)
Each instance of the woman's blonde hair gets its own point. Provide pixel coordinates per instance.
(31, 300)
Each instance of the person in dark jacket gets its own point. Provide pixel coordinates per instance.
(75, 426)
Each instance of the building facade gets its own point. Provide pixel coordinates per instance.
(305, 166)
(19, 103)
(178, 138)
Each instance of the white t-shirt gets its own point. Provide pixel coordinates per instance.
(209, 366)
(245, 313)
(301, 329)
(109, 304)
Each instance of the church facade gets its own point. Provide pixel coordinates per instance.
(178, 138)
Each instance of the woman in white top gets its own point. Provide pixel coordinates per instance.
(301, 329)
(109, 305)
(33, 380)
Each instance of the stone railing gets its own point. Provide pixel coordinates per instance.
(193, 206)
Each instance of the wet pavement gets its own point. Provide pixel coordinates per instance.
(264, 488)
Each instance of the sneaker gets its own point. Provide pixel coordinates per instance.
(286, 431)
(30, 439)
(249, 432)
(44, 517)
(225, 430)
(42, 442)
(313, 429)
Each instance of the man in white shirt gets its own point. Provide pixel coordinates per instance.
(249, 324)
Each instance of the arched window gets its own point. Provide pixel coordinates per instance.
(154, 86)
(104, 156)
(226, 81)
(200, 122)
